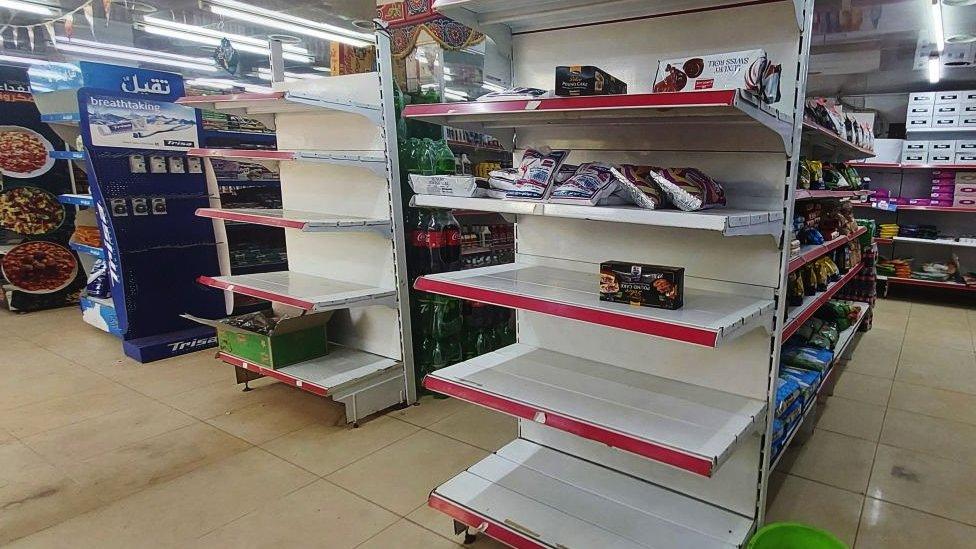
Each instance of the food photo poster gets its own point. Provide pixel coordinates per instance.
(39, 270)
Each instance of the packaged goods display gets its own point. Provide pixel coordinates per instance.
(98, 284)
(515, 93)
(644, 285)
(830, 115)
(537, 173)
(586, 80)
(637, 188)
(689, 189)
(749, 70)
(590, 183)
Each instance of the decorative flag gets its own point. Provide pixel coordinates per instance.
(49, 27)
(107, 8)
(89, 12)
(30, 37)
(69, 26)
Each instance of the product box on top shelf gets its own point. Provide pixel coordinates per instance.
(946, 110)
(644, 285)
(920, 110)
(923, 98)
(918, 122)
(947, 97)
(968, 97)
(575, 80)
(947, 121)
(967, 120)
(965, 158)
(942, 147)
(915, 158)
(941, 158)
(965, 146)
(909, 147)
(749, 70)
(271, 341)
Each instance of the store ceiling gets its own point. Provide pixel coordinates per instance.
(880, 46)
(349, 14)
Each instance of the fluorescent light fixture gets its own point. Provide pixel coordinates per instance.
(265, 74)
(98, 49)
(938, 29)
(285, 22)
(224, 84)
(322, 69)
(211, 37)
(28, 7)
(492, 87)
(935, 69)
(22, 60)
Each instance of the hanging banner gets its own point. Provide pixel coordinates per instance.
(409, 17)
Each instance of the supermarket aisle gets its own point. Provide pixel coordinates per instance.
(96, 450)
(891, 461)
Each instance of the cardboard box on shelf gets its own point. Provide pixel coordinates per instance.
(964, 202)
(923, 98)
(942, 158)
(946, 110)
(964, 146)
(576, 80)
(968, 97)
(915, 158)
(946, 97)
(966, 190)
(967, 121)
(965, 158)
(908, 147)
(918, 122)
(945, 146)
(950, 121)
(293, 339)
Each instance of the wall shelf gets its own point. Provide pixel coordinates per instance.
(811, 252)
(896, 166)
(798, 315)
(841, 149)
(529, 496)
(810, 194)
(948, 285)
(373, 162)
(309, 222)
(308, 292)
(708, 318)
(689, 427)
(730, 222)
(324, 375)
(662, 110)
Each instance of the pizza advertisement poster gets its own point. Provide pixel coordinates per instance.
(38, 268)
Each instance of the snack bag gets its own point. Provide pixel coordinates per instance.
(689, 189)
(537, 172)
(591, 183)
(637, 188)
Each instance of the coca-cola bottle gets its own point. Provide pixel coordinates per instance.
(418, 253)
(443, 243)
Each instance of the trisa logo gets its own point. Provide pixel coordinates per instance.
(193, 343)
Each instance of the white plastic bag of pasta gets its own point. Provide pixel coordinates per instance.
(537, 173)
(592, 182)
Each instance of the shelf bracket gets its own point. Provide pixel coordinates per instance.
(371, 112)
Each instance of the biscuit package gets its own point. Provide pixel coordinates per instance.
(536, 174)
(591, 183)
(636, 187)
(644, 285)
(689, 189)
(748, 70)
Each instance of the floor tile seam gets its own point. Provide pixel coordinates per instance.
(75, 422)
(385, 446)
(246, 513)
(848, 434)
(438, 534)
(490, 451)
(438, 421)
(130, 443)
(929, 513)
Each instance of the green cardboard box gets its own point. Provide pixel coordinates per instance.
(293, 340)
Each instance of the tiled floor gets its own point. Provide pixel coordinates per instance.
(96, 450)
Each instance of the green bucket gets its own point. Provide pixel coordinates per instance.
(793, 535)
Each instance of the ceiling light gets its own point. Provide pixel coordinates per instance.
(265, 74)
(211, 37)
(285, 22)
(224, 84)
(28, 7)
(937, 28)
(116, 51)
(935, 69)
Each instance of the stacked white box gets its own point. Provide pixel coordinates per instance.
(941, 110)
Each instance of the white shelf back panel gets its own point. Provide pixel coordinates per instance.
(331, 188)
(703, 254)
(732, 486)
(630, 50)
(318, 131)
(739, 366)
(372, 329)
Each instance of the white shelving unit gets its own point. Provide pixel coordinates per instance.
(343, 224)
(635, 429)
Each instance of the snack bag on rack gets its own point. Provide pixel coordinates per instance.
(688, 188)
(592, 182)
(637, 188)
(537, 173)
(809, 358)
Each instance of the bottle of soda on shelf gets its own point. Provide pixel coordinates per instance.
(445, 163)
(443, 242)
(418, 251)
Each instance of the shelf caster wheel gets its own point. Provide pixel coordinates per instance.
(470, 538)
(246, 388)
(355, 425)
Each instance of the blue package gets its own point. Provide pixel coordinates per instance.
(787, 392)
(809, 358)
(98, 282)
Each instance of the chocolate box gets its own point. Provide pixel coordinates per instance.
(748, 70)
(644, 285)
(587, 80)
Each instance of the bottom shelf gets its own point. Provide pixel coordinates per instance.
(529, 496)
(843, 342)
(325, 375)
(930, 283)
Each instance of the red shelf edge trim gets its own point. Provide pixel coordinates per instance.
(285, 378)
(826, 248)
(931, 283)
(260, 294)
(819, 300)
(593, 102)
(215, 213)
(936, 208)
(490, 528)
(191, 99)
(663, 454)
(240, 153)
(900, 166)
(658, 328)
